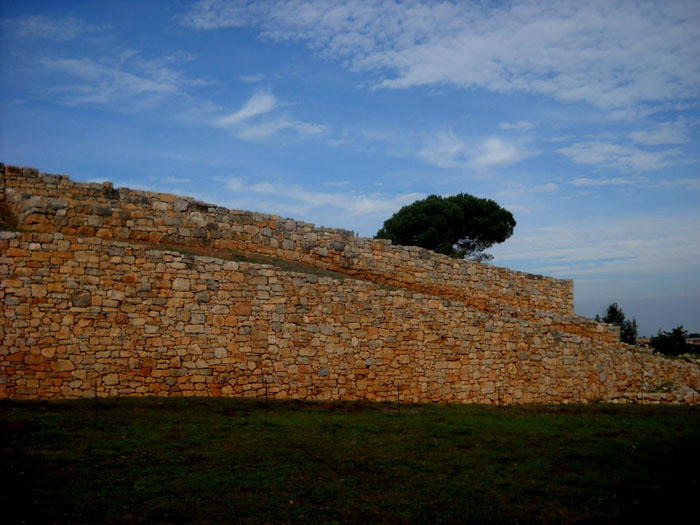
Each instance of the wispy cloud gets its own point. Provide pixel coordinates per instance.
(519, 193)
(217, 14)
(495, 152)
(349, 209)
(176, 180)
(640, 245)
(57, 29)
(602, 181)
(252, 79)
(520, 125)
(444, 150)
(686, 183)
(258, 104)
(545, 188)
(664, 133)
(266, 129)
(245, 124)
(447, 150)
(618, 156)
(129, 78)
(571, 51)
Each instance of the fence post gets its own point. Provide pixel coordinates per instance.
(398, 400)
(95, 421)
(579, 400)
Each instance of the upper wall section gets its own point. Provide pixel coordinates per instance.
(55, 203)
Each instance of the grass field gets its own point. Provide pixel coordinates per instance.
(245, 461)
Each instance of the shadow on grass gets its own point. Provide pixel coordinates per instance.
(225, 460)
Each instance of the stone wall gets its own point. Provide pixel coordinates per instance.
(51, 203)
(79, 312)
(91, 297)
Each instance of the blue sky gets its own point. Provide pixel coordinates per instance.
(581, 118)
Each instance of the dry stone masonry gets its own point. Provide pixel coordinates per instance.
(92, 295)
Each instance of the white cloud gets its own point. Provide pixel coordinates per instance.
(494, 152)
(444, 150)
(57, 29)
(347, 209)
(642, 245)
(626, 158)
(264, 187)
(664, 133)
(258, 104)
(685, 183)
(272, 127)
(447, 150)
(520, 125)
(609, 54)
(176, 180)
(245, 124)
(546, 188)
(252, 79)
(129, 82)
(216, 14)
(602, 181)
(518, 194)
(558, 138)
(234, 184)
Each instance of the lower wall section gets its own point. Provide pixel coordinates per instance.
(135, 321)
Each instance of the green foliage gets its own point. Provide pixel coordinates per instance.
(460, 226)
(628, 329)
(671, 343)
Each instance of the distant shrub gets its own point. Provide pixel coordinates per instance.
(628, 329)
(672, 343)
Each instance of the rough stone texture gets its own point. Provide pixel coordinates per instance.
(81, 308)
(51, 203)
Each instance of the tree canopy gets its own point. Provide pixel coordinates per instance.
(671, 343)
(628, 329)
(461, 226)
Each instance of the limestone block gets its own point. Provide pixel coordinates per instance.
(181, 284)
(81, 299)
(202, 297)
(110, 379)
(64, 365)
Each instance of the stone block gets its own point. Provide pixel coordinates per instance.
(110, 379)
(181, 284)
(202, 297)
(81, 299)
(64, 365)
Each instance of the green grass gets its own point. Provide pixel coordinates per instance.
(238, 256)
(285, 265)
(235, 460)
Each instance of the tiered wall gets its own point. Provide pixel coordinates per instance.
(50, 203)
(134, 320)
(80, 309)
(55, 203)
